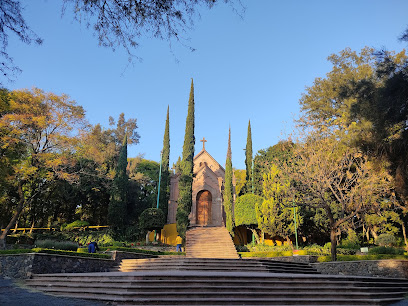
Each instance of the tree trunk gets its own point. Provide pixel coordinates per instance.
(32, 227)
(333, 240)
(13, 220)
(374, 233)
(15, 227)
(255, 235)
(404, 234)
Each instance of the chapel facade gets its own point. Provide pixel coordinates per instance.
(208, 184)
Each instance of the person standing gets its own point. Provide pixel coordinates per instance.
(179, 242)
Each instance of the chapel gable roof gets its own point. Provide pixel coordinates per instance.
(204, 155)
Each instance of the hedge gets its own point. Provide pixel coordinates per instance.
(133, 250)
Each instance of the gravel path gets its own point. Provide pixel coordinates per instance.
(13, 295)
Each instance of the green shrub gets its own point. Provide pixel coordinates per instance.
(73, 225)
(152, 219)
(244, 211)
(344, 251)
(71, 253)
(268, 248)
(266, 254)
(386, 250)
(351, 242)
(82, 250)
(241, 248)
(302, 252)
(361, 257)
(386, 240)
(133, 250)
(316, 249)
(327, 246)
(57, 245)
(15, 251)
(23, 238)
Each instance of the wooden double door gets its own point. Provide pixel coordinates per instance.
(204, 203)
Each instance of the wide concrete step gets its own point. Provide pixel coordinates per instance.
(226, 293)
(105, 288)
(233, 299)
(213, 283)
(211, 264)
(226, 288)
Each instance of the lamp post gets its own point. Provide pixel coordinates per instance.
(252, 176)
(158, 189)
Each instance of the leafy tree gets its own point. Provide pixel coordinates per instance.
(46, 128)
(275, 213)
(119, 194)
(248, 161)
(336, 178)
(165, 175)
(264, 159)
(239, 180)
(382, 101)
(228, 196)
(245, 212)
(363, 100)
(102, 146)
(144, 175)
(185, 200)
(152, 219)
(327, 105)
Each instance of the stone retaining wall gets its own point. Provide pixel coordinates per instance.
(24, 265)
(117, 256)
(380, 268)
(299, 259)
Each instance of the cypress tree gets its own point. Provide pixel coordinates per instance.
(248, 160)
(165, 175)
(119, 194)
(185, 200)
(228, 189)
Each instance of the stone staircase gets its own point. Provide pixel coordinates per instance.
(209, 242)
(213, 265)
(221, 288)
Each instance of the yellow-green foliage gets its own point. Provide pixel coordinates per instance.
(275, 214)
(244, 210)
(266, 254)
(82, 250)
(361, 257)
(73, 225)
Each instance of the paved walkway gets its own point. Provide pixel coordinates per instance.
(13, 295)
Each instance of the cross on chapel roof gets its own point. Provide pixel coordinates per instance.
(203, 141)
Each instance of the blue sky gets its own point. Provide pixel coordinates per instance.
(255, 67)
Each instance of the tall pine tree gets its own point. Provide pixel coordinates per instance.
(185, 200)
(165, 175)
(228, 189)
(119, 194)
(248, 160)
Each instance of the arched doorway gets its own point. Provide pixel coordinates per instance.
(204, 202)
